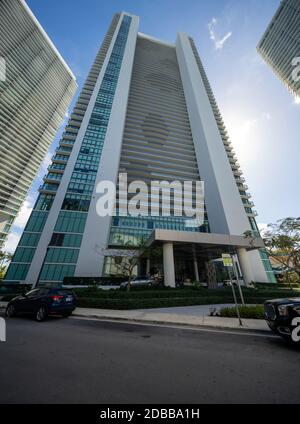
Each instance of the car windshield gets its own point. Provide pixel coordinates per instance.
(38, 292)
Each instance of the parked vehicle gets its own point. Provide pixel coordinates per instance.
(280, 314)
(141, 282)
(43, 302)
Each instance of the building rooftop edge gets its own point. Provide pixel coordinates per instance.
(47, 38)
(157, 40)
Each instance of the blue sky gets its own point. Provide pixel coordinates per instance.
(260, 114)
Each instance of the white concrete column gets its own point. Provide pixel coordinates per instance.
(148, 266)
(245, 265)
(169, 268)
(196, 270)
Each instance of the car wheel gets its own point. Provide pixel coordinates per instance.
(41, 314)
(10, 311)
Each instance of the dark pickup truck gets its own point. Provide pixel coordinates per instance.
(283, 318)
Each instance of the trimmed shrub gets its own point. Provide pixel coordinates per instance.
(253, 312)
(274, 286)
(127, 304)
(94, 281)
(164, 292)
(167, 297)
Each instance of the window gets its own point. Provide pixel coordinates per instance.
(54, 272)
(67, 256)
(24, 254)
(29, 239)
(66, 240)
(17, 272)
(71, 222)
(76, 203)
(44, 202)
(57, 239)
(37, 221)
(50, 186)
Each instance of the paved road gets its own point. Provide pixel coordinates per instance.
(84, 361)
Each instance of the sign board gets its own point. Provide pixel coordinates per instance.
(227, 260)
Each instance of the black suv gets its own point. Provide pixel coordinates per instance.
(42, 302)
(280, 315)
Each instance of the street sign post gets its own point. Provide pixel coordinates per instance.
(238, 283)
(227, 260)
(228, 263)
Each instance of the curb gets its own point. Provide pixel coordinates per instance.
(171, 324)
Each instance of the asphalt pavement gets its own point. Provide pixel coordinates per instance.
(88, 361)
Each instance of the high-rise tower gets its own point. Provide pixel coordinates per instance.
(36, 87)
(146, 110)
(280, 45)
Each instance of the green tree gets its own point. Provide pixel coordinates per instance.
(126, 265)
(5, 258)
(282, 241)
(250, 236)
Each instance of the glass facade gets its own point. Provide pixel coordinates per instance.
(63, 250)
(130, 231)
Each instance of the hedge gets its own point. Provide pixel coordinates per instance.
(94, 281)
(165, 293)
(123, 304)
(131, 303)
(253, 312)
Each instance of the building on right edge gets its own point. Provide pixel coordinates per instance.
(280, 45)
(147, 110)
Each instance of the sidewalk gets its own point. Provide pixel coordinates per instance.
(193, 316)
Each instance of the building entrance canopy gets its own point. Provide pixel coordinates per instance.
(202, 245)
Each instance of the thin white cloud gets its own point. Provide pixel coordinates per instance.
(46, 162)
(24, 213)
(218, 41)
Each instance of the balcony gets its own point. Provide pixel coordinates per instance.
(48, 189)
(66, 143)
(58, 171)
(62, 151)
(252, 214)
(52, 179)
(238, 173)
(245, 196)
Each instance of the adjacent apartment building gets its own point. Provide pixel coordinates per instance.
(280, 45)
(36, 87)
(146, 110)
